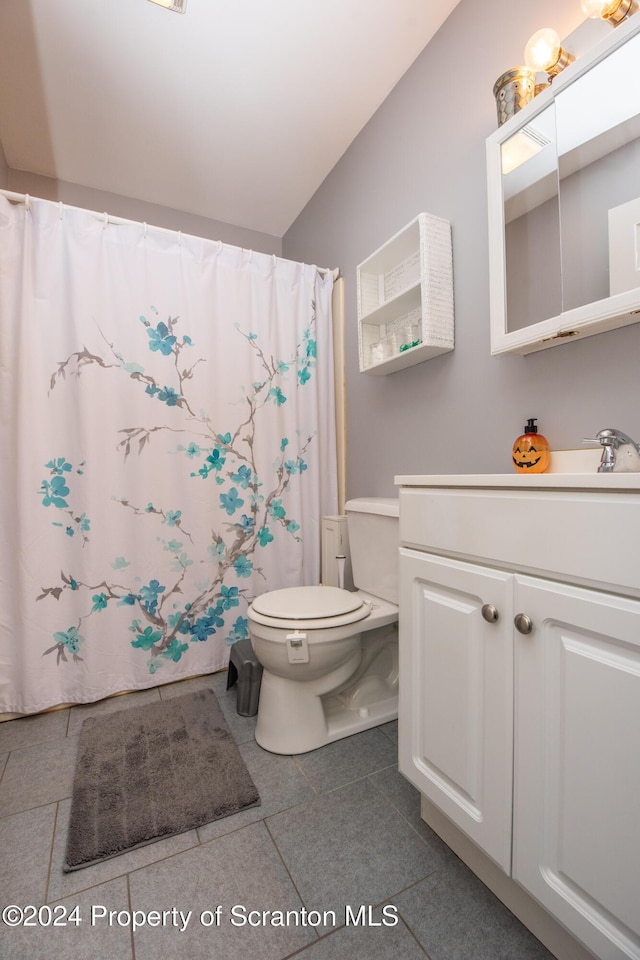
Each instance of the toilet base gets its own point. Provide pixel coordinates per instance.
(295, 717)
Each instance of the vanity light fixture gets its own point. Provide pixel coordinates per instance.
(516, 88)
(513, 90)
(543, 52)
(613, 11)
(178, 6)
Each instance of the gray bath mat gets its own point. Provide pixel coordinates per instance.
(152, 772)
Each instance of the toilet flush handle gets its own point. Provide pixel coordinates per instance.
(297, 647)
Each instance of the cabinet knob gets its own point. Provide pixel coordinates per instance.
(489, 613)
(523, 623)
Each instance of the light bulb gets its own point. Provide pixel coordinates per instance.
(596, 8)
(543, 52)
(542, 49)
(614, 11)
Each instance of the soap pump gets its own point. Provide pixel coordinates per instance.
(530, 452)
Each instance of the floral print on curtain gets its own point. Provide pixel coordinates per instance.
(180, 453)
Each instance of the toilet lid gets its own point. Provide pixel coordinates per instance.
(308, 603)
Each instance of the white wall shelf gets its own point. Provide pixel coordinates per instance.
(405, 296)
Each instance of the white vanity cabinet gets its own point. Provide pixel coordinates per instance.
(529, 742)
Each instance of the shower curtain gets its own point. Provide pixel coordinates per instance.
(168, 439)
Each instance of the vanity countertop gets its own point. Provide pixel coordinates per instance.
(568, 470)
(518, 481)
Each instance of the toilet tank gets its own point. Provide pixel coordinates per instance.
(374, 539)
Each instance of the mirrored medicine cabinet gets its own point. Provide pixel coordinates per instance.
(564, 204)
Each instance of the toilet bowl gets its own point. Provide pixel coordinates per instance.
(330, 656)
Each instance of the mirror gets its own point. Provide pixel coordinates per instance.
(570, 195)
(598, 124)
(529, 162)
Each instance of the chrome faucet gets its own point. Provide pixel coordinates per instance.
(620, 454)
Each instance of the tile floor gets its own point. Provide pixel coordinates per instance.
(337, 850)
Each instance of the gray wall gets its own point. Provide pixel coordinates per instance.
(127, 207)
(424, 150)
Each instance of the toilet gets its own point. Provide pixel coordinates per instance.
(330, 656)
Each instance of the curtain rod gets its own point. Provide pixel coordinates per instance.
(122, 221)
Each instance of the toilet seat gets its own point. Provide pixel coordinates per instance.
(309, 608)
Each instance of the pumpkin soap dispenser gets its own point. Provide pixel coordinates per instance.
(531, 450)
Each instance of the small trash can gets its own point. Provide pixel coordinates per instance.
(246, 671)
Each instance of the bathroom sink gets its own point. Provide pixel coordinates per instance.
(586, 460)
(568, 470)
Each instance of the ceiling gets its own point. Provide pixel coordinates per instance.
(236, 110)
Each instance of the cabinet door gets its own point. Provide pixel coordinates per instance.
(456, 690)
(577, 762)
